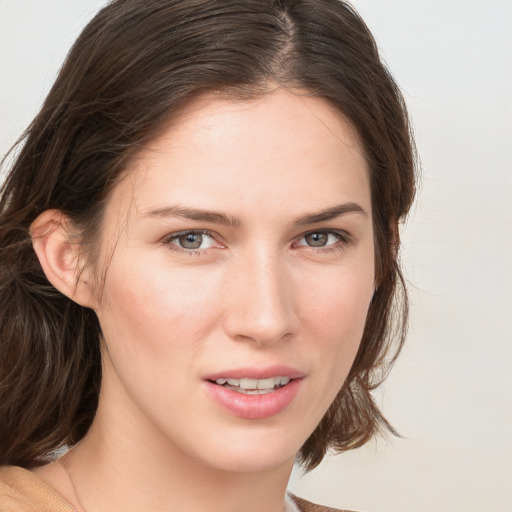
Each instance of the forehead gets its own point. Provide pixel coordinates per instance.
(275, 150)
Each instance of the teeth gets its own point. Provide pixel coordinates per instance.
(248, 384)
(255, 386)
(266, 383)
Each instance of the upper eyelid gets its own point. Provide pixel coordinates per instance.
(214, 234)
(340, 232)
(176, 234)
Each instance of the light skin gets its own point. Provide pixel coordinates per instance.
(240, 238)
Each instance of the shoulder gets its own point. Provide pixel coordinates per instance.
(21, 489)
(306, 506)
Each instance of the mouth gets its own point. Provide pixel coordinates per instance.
(249, 386)
(252, 393)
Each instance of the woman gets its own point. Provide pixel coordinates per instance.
(199, 259)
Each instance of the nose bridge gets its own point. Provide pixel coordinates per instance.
(260, 305)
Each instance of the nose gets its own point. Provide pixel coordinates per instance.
(259, 300)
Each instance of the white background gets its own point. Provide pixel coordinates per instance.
(450, 395)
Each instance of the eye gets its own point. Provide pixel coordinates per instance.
(324, 239)
(191, 241)
(318, 239)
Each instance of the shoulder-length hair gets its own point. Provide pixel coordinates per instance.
(134, 66)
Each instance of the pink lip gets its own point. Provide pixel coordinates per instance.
(255, 406)
(255, 373)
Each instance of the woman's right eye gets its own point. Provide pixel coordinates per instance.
(190, 241)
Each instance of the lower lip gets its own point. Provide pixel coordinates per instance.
(254, 407)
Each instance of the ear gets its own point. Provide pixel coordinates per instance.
(59, 254)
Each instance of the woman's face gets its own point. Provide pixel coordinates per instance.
(240, 270)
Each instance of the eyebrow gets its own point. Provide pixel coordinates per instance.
(213, 217)
(195, 214)
(331, 213)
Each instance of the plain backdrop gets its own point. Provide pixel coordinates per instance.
(450, 394)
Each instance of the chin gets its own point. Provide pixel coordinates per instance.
(252, 453)
(253, 462)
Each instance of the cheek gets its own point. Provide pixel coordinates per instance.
(339, 299)
(153, 316)
(154, 297)
(337, 313)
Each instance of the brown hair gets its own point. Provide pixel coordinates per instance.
(134, 65)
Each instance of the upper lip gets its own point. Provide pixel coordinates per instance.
(256, 373)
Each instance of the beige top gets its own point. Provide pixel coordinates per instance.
(23, 491)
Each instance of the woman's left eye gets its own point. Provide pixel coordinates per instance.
(322, 239)
(191, 240)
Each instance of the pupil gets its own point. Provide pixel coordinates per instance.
(316, 239)
(191, 240)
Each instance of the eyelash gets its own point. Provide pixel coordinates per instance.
(343, 240)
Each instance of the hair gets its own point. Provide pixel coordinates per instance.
(135, 65)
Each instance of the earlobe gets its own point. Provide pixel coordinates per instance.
(59, 255)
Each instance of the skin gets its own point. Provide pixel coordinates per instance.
(256, 294)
